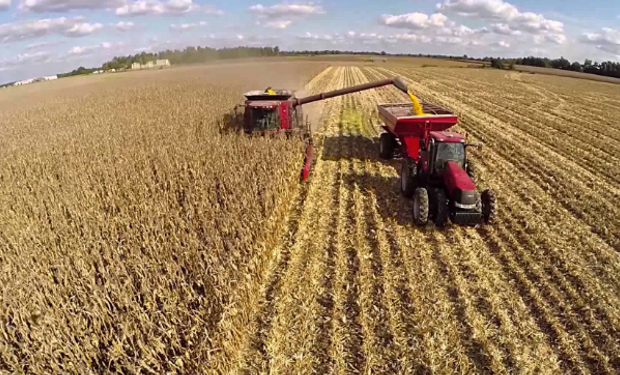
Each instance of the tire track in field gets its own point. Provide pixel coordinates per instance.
(259, 358)
(347, 339)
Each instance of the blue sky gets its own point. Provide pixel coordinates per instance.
(42, 37)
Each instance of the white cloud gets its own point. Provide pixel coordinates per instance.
(551, 38)
(499, 10)
(607, 40)
(43, 6)
(5, 4)
(186, 26)
(501, 44)
(123, 26)
(36, 46)
(285, 10)
(29, 29)
(279, 24)
(312, 36)
(503, 29)
(412, 38)
(448, 40)
(82, 29)
(87, 50)
(156, 7)
(25, 60)
(416, 21)
(459, 31)
(489, 9)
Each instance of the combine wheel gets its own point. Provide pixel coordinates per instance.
(471, 171)
(488, 206)
(420, 206)
(440, 207)
(387, 145)
(408, 172)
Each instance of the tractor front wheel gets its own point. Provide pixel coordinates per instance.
(488, 206)
(407, 178)
(420, 206)
(387, 145)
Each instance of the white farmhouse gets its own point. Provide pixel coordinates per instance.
(161, 63)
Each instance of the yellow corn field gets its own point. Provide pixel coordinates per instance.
(136, 237)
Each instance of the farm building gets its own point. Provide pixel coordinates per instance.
(164, 62)
(24, 82)
(148, 65)
(136, 66)
(50, 78)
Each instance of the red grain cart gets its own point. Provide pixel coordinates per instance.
(435, 167)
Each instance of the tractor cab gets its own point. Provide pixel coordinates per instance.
(443, 147)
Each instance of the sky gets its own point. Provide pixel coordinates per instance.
(45, 37)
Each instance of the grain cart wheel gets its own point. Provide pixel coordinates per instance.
(488, 206)
(408, 173)
(471, 171)
(420, 206)
(440, 207)
(387, 144)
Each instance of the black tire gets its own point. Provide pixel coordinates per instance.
(420, 206)
(440, 207)
(488, 206)
(471, 171)
(408, 172)
(387, 144)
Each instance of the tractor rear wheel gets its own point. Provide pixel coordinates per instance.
(488, 206)
(387, 145)
(408, 173)
(440, 207)
(420, 206)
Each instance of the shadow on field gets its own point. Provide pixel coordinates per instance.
(390, 203)
(350, 147)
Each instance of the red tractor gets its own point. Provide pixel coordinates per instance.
(435, 169)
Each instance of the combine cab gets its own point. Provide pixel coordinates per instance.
(435, 168)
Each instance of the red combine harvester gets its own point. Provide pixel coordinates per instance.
(434, 165)
(279, 112)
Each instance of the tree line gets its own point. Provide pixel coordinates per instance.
(194, 55)
(606, 68)
(190, 55)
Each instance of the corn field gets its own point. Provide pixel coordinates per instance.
(136, 237)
